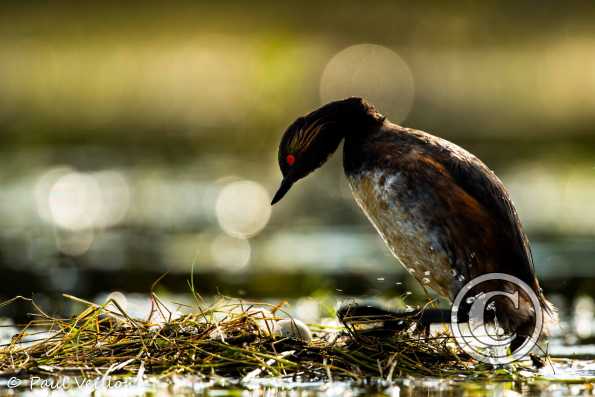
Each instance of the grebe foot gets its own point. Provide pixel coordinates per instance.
(370, 317)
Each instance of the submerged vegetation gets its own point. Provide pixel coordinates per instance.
(229, 338)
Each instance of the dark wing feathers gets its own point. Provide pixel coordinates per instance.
(475, 178)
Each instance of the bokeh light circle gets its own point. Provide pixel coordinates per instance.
(44, 186)
(243, 208)
(75, 243)
(75, 201)
(115, 198)
(371, 71)
(229, 253)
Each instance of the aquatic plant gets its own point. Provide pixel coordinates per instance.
(228, 338)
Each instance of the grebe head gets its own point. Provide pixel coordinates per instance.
(310, 140)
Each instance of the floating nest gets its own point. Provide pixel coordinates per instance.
(230, 338)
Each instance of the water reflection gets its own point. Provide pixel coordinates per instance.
(191, 386)
(168, 217)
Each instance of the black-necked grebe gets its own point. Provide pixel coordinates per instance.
(442, 212)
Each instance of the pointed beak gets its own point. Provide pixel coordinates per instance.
(283, 189)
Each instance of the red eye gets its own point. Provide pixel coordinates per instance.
(290, 159)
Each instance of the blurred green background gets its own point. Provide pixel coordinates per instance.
(141, 139)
